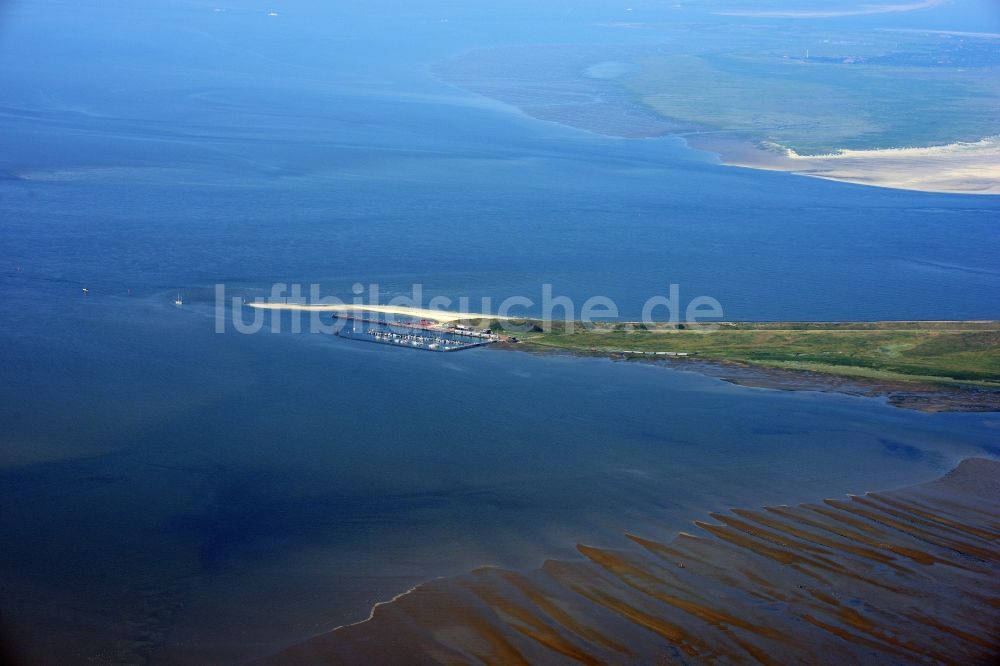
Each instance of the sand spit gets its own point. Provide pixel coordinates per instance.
(860, 10)
(952, 33)
(957, 168)
(908, 575)
(442, 316)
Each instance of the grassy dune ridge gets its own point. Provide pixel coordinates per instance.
(941, 351)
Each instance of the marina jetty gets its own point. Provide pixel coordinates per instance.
(400, 326)
(423, 334)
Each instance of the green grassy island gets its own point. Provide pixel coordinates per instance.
(940, 352)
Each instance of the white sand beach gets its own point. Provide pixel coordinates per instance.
(957, 168)
(443, 316)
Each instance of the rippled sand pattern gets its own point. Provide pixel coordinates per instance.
(903, 576)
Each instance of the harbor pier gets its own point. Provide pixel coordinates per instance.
(425, 334)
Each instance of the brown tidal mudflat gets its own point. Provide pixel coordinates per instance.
(905, 576)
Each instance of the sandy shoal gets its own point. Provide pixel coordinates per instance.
(417, 313)
(957, 168)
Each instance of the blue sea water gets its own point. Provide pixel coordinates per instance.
(170, 494)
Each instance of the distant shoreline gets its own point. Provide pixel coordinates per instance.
(860, 10)
(970, 166)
